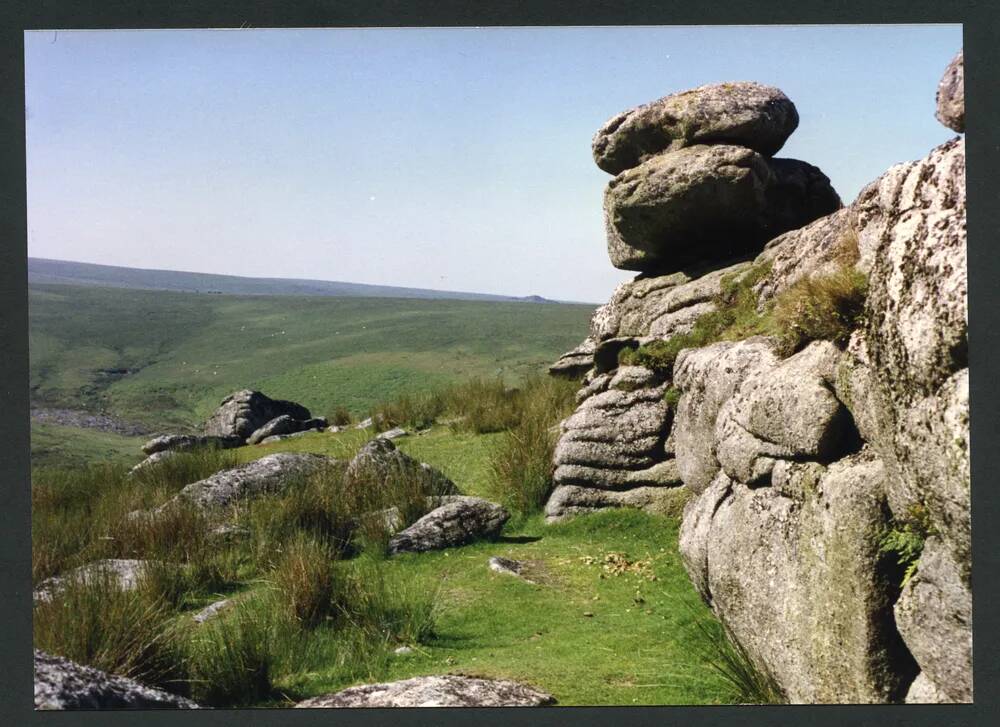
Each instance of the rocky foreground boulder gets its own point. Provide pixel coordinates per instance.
(460, 520)
(806, 465)
(64, 684)
(380, 460)
(951, 95)
(286, 424)
(435, 691)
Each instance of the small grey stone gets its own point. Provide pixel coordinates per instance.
(211, 611)
(435, 691)
(394, 433)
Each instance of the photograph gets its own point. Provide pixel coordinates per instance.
(501, 366)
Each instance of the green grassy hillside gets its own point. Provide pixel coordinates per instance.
(166, 359)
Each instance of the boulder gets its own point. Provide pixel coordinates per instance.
(574, 364)
(707, 378)
(951, 95)
(460, 521)
(435, 691)
(212, 610)
(706, 203)
(64, 684)
(277, 426)
(243, 412)
(394, 433)
(744, 113)
(124, 572)
(923, 691)
(184, 442)
(152, 459)
(934, 616)
(267, 475)
(379, 459)
(660, 306)
(787, 412)
(798, 582)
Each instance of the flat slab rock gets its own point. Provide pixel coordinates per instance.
(64, 684)
(435, 691)
(461, 520)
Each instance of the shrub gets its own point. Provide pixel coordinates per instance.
(304, 576)
(340, 417)
(230, 658)
(826, 307)
(902, 540)
(94, 621)
(521, 461)
(671, 396)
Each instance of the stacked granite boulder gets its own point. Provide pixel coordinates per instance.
(697, 192)
(800, 468)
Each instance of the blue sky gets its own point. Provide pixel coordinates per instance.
(441, 158)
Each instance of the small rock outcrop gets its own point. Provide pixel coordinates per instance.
(243, 412)
(803, 466)
(286, 424)
(267, 475)
(380, 459)
(747, 114)
(212, 610)
(64, 684)
(124, 572)
(185, 442)
(459, 521)
(435, 691)
(951, 95)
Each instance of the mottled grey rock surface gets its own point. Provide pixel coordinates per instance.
(460, 521)
(705, 203)
(574, 364)
(184, 442)
(125, 572)
(64, 684)
(244, 411)
(152, 459)
(380, 459)
(742, 113)
(951, 95)
(435, 691)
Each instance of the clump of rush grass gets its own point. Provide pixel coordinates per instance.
(484, 405)
(749, 683)
(183, 468)
(231, 659)
(821, 307)
(305, 578)
(416, 411)
(340, 417)
(521, 461)
(387, 610)
(96, 622)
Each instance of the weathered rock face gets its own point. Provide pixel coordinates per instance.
(379, 460)
(435, 691)
(708, 377)
(574, 364)
(776, 569)
(459, 521)
(951, 95)
(934, 615)
(267, 475)
(185, 442)
(708, 203)
(747, 114)
(245, 411)
(64, 684)
(152, 459)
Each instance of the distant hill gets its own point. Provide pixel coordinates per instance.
(45, 271)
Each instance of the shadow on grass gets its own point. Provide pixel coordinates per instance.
(518, 539)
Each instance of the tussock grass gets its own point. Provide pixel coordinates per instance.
(521, 461)
(305, 578)
(415, 411)
(824, 307)
(94, 621)
(183, 468)
(340, 417)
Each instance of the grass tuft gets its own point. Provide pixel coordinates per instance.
(304, 576)
(824, 307)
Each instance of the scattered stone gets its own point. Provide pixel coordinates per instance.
(336, 429)
(458, 522)
(402, 650)
(394, 433)
(185, 442)
(435, 691)
(285, 426)
(508, 566)
(243, 412)
(706, 203)
(211, 611)
(951, 95)
(228, 532)
(64, 684)
(745, 113)
(366, 424)
(123, 571)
